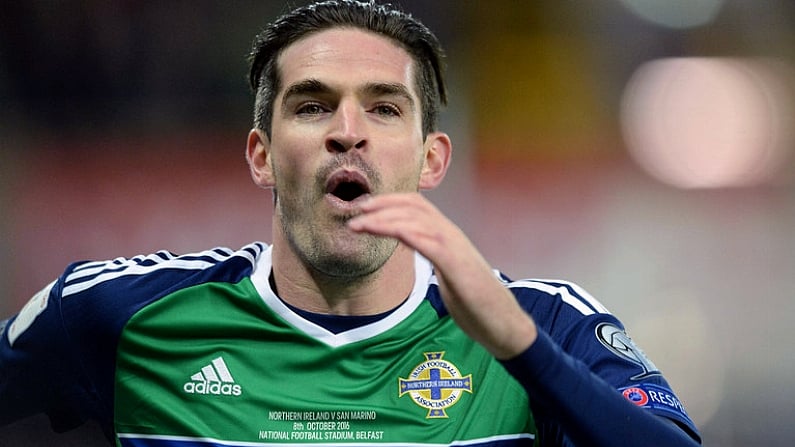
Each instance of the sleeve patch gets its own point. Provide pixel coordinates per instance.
(655, 397)
(28, 314)
(618, 342)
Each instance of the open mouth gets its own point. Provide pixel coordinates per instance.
(347, 185)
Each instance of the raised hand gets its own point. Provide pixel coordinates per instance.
(478, 302)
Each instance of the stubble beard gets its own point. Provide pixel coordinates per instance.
(339, 254)
(325, 244)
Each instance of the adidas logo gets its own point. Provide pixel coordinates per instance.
(214, 378)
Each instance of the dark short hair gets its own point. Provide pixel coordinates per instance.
(383, 19)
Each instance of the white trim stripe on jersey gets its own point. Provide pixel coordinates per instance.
(582, 301)
(600, 308)
(132, 267)
(94, 268)
(133, 270)
(215, 442)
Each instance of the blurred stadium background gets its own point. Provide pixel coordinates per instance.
(642, 148)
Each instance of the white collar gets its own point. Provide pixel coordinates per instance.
(422, 278)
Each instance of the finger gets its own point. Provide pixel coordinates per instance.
(406, 219)
(390, 212)
(427, 231)
(408, 226)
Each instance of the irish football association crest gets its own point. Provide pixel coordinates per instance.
(435, 385)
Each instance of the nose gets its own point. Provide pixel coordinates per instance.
(347, 130)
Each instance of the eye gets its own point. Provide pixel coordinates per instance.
(310, 108)
(386, 110)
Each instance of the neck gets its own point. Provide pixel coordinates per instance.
(306, 288)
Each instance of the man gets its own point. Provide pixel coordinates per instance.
(371, 319)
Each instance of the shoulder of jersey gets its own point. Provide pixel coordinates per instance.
(555, 292)
(219, 261)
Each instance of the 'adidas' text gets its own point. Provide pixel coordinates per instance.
(216, 388)
(214, 379)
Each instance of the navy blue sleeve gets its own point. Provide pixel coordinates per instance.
(38, 373)
(588, 411)
(588, 383)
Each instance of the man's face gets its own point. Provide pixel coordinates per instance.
(346, 124)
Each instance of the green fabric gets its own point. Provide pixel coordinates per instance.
(284, 386)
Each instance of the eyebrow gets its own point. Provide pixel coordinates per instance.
(306, 87)
(310, 87)
(389, 89)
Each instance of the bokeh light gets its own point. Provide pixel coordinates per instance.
(709, 122)
(675, 13)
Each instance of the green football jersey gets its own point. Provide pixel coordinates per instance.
(198, 351)
(220, 363)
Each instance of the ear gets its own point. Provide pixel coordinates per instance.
(438, 152)
(259, 158)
